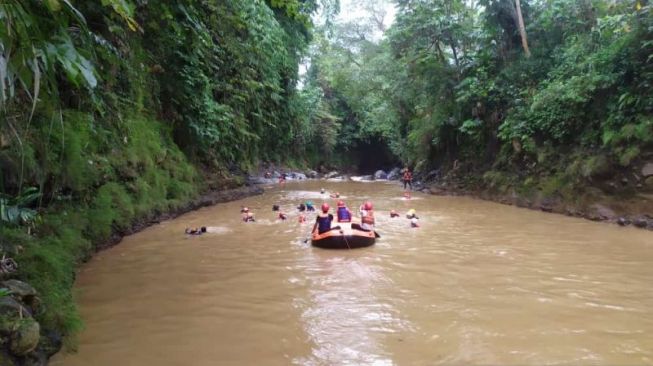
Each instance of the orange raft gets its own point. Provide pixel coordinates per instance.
(344, 238)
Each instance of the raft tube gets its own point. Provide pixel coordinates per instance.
(343, 238)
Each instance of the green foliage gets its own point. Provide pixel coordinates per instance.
(16, 210)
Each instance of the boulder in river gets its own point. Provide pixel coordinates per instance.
(622, 221)
(394, 174)
(331, 175)
(380, 174)
(311, 174)
(298, 176)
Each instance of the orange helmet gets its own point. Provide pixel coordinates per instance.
(368, 205)
(341, 203)
(325, 207)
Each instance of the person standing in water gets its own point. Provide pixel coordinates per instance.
(407, 178)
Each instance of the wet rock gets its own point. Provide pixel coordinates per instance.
(380, 174)
(12, 308)
(394, 174)
(297, 176)
(331, 175)
(640, 222)
(622, 221)
(602, 212)
(647, 170)
(545, 208)
(311, 174)
(25, 338)
(624, 181)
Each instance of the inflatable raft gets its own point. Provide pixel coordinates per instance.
(344, 238)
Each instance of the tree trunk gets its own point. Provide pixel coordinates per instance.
(522, 29)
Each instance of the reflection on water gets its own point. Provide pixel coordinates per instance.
(477, 283)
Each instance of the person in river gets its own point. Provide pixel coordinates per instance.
(411, 214)
(393, 214)
(344, 215)
(414, 222)
(195, 230)
(302, 218)
(323, 220)
(407, 195)
(335, 195)
(275, 207)
(282, 216)
(322, 191)
(301, 207)
(309, 206)
(407, 178)
(246, 215)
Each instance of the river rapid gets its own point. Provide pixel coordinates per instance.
(477, 283)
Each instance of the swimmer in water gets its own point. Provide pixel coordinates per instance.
(195, 231)
(407, 195)
(247, 216)
(394, 214)
(414, 222)
(282, 216)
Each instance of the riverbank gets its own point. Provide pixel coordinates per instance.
(588, 202)
(37, 313)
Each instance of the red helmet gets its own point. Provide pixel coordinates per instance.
(325, 207)
(341, 203)
(368, 205)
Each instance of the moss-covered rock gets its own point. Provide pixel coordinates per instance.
(26, 337)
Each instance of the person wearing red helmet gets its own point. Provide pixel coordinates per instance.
(367, 216)
(323, 220)
(344, 215)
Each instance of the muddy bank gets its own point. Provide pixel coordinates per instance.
(208, 199)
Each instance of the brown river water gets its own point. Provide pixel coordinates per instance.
(477, 283)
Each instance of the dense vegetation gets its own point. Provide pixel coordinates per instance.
(116, 110)
(455, 82)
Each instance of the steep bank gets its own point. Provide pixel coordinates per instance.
(624, 198)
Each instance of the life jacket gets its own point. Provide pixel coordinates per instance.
(368, 218)
(408, 175)
(324, 223)
(344, 215)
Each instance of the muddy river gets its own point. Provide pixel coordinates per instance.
(476, 283)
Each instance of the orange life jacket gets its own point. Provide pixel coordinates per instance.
(368, 218)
